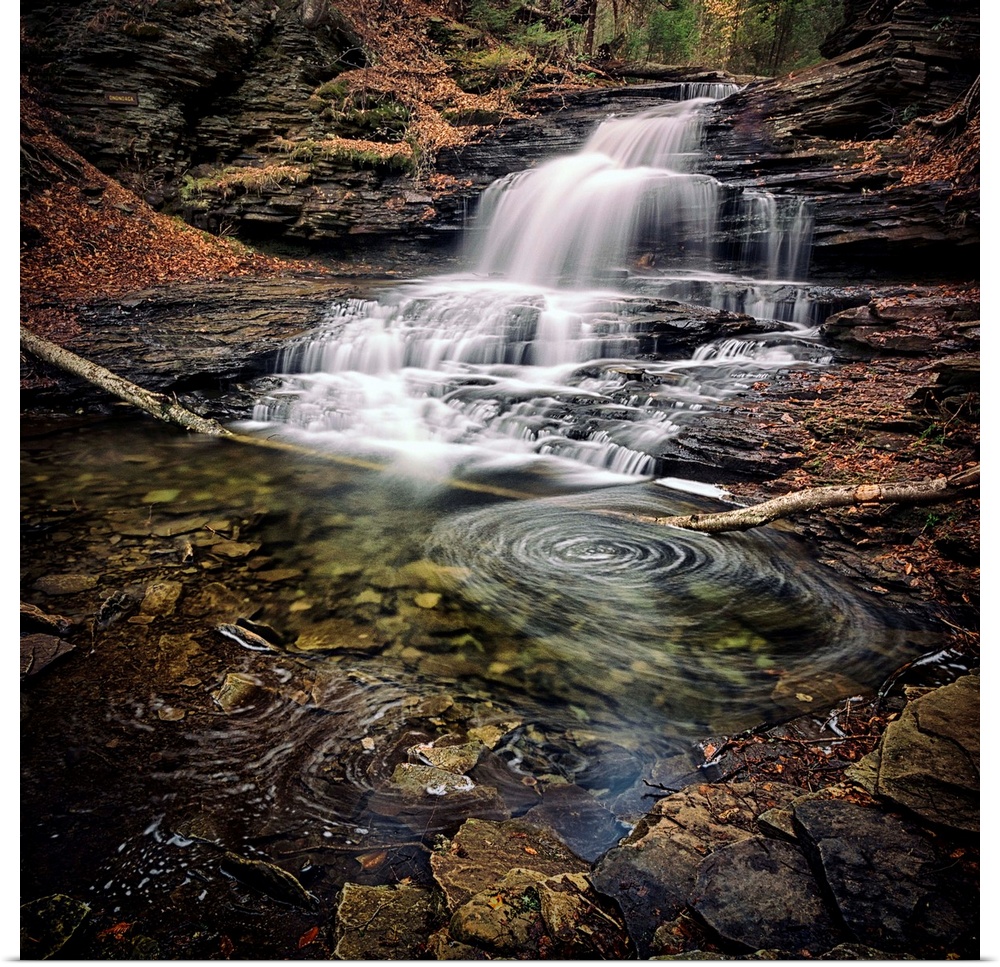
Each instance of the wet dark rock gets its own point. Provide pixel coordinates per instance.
(385, 922)
(48, 924)
(920, 326)
(34, 618)
(192, 338)
(761, 894)
(38, 651)
(929, 757)
(793, 134)
(481, 853)
(578, 819)
(653, 872)
(870, 860)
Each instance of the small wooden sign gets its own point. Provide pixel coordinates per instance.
(122, 100)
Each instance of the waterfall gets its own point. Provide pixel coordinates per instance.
(550, 350)
(630, 198)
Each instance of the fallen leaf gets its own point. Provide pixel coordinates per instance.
(371, 860)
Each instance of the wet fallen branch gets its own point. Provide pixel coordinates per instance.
(162, 407)
(957, 486)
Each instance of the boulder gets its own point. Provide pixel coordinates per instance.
(652, 874)
(869, 860)
(529, 914)
(761, 893)
(929, 757)
(482, 852)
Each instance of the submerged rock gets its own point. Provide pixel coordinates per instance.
(66, 583)
(385, 922)
(161, 598)
(239, 692)
(428, 799)
(578, 819)
(269, 879)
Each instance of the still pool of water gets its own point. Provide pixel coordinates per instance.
(262, 641)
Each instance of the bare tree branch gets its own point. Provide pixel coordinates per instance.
(957, 486)
(170, 411)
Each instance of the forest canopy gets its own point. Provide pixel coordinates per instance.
(764, 37)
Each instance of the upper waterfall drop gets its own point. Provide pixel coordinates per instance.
(632, 196)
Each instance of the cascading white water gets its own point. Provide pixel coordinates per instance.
(524, 359)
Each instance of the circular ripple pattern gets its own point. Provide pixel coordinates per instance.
(701, 626)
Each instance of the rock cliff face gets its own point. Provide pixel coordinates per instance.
(223, 113)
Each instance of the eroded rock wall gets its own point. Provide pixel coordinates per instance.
(218, 112)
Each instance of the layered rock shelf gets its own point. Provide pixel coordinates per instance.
(222, 114)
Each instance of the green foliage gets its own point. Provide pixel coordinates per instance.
(486, 70)
(369, 116)
(542, 28)
(776, 36)
(741, 36)
(492, 17)
(672, 34)
(334, 90)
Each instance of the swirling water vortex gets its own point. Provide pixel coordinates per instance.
(676, 628)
